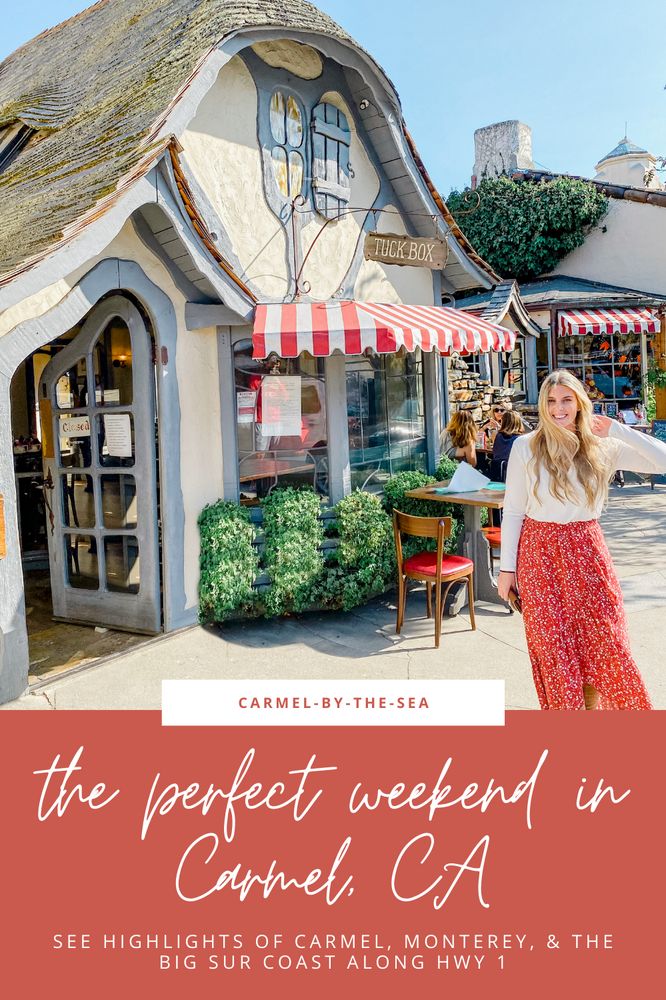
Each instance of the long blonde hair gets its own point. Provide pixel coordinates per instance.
(557, 449)
(462, 429)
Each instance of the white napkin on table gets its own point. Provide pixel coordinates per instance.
(465, 479)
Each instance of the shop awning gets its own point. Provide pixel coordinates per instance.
(596, 321)
(321, 328)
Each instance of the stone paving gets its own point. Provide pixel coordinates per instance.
(363, 644)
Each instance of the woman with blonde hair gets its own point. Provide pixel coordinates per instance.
(555, 556)
(459, 440)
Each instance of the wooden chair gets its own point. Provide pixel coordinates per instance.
(432, 568)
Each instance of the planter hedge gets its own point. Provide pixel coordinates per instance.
(308, 563)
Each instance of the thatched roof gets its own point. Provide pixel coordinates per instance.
(96, 87)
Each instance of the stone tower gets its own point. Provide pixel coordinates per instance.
(500, 148)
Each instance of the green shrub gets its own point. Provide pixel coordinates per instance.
(398, 485)
(366, 554)
(292, 553)
(229, 561)
(445, 469)
(394, 493)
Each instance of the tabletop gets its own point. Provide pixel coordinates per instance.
(264, 467)
(493, 499)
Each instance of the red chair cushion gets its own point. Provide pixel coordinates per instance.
(493, 537)
(425, 564)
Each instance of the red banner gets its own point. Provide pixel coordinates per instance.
(361, 862)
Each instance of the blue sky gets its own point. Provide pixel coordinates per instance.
(574, 70)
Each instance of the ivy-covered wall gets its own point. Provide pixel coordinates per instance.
(524, 229)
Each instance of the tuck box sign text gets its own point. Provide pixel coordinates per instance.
(412, 251)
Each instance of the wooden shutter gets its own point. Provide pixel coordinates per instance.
(331, 139)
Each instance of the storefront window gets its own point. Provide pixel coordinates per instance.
(386, 422)
(281, 423)
(543, 359)
(610, 365)
(513, 374)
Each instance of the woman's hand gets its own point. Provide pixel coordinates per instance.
(601, 425)
(505, 583)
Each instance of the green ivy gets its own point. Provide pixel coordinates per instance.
(655, 376)
(524, 229)
(229, 562)
(293, 558)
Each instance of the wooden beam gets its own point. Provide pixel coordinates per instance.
(201, 315)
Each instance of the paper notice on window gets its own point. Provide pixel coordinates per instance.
(118, 434)
(103, 396)
(246, 403)
(281, 405)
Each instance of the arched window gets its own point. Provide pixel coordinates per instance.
(286, 120)
(331, 139)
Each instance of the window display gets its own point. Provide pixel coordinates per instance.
(386, 420)
(280, 422)
(609, 365)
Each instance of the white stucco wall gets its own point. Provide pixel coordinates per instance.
(222, 148)
(34, 306)
(301, 60)
(631, 253)
(388, 282)
(629, 171)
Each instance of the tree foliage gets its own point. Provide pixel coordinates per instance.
(524, 229)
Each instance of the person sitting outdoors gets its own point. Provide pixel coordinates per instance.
(510, 429)
(459, 438)
(492, 425)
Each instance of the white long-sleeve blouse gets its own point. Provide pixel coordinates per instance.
(628, 450)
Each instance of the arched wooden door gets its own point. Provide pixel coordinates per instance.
(97, 399)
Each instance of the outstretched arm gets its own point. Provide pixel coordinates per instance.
(634, 452)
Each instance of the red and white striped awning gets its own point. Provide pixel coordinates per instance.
(321, 328)
(596, 321)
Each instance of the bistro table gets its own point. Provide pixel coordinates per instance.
(474, 544)
(271, 465)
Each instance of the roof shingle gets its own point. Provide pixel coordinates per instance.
(94, 87)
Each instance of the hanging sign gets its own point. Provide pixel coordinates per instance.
(406, 251)
(281, 405)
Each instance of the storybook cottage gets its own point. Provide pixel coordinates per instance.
(222, 265)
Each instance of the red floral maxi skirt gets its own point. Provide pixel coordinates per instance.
(574, 617)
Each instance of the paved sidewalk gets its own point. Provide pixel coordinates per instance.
(363, 644)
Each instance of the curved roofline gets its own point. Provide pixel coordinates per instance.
(126, 170)
(184, 105)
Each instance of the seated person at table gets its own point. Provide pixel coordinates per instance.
(510, 429)
(492, 425)
(459, 438)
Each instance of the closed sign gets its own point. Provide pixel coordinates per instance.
(75, 427)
